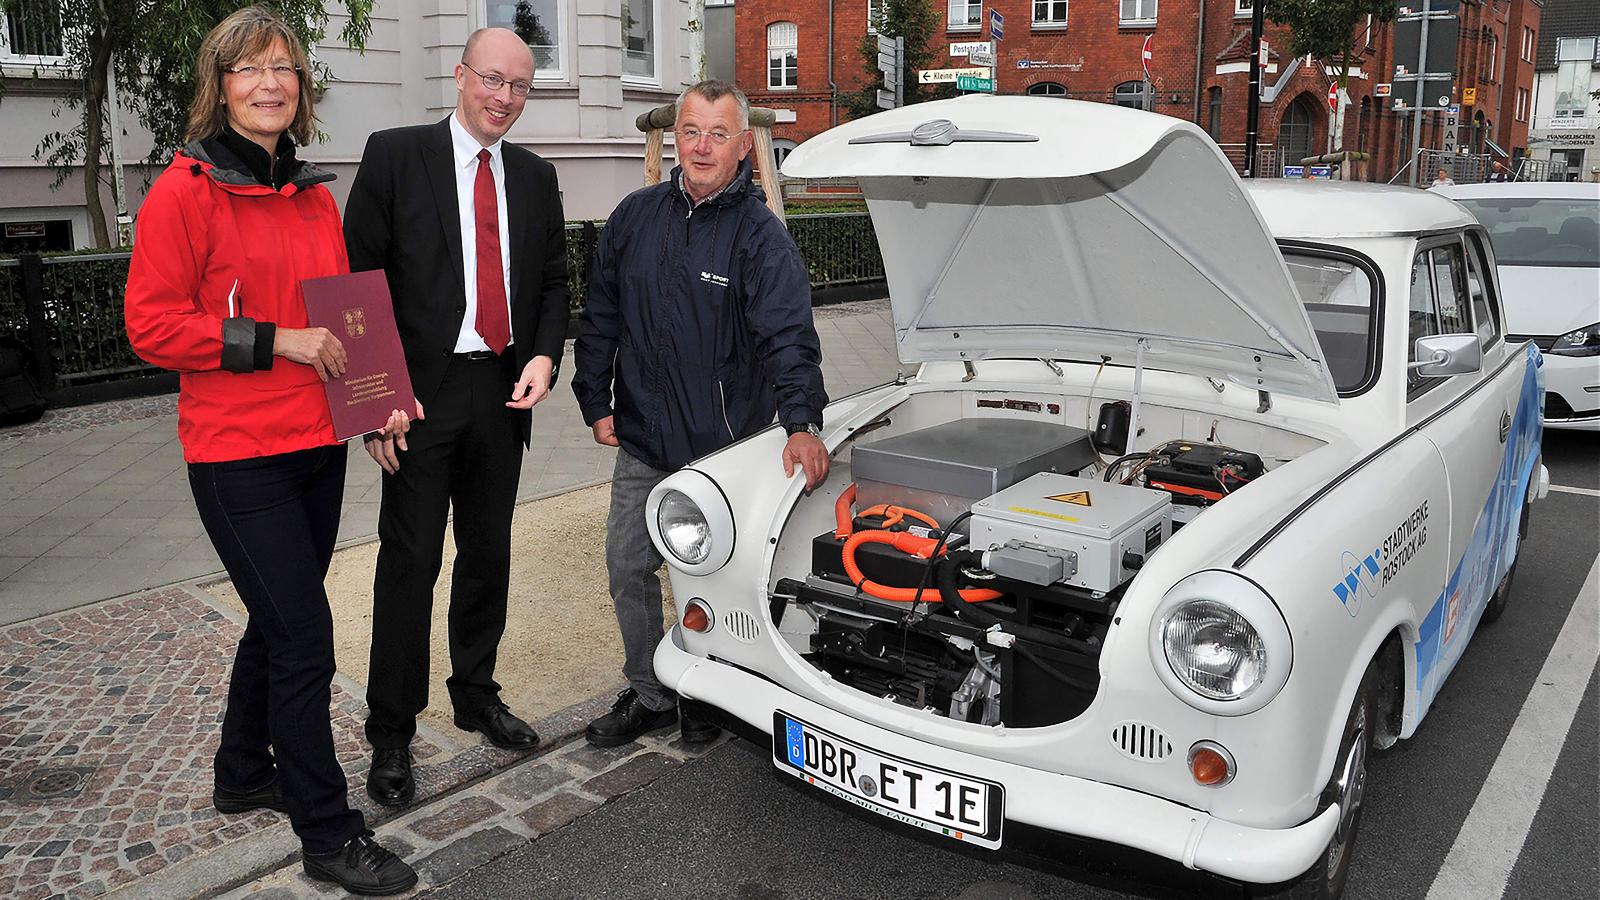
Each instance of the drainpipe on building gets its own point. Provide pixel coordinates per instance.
(833, 89)
(1199, 56)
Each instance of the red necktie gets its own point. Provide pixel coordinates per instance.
(493, 321)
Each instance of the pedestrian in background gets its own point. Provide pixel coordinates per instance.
(468, 228)
(225, 236)
(697, 328)
(1442, 179)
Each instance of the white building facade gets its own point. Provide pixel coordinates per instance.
(1566, 115)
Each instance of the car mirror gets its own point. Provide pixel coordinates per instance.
(1447, 354)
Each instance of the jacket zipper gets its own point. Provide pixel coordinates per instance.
(722, 398)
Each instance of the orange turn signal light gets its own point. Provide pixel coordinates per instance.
(697, 616)
(1210, 764)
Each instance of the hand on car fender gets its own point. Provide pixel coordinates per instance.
(605, 432)
(806, 450)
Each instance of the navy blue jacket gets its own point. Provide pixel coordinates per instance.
(697, 326)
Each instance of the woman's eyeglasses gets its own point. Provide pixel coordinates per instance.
(282, 71)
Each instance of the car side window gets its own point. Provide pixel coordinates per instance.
(1422, 316)
(1438, 303)
(1481, 289)
(1450, 288)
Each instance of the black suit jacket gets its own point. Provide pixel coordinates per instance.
(403, 217)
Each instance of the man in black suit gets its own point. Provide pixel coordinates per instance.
(470, 232)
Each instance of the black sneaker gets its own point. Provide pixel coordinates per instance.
(629, 719)
(362, 867)
(230, 802)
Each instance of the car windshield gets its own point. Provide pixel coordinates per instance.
(1543, 232)
(1338, 298)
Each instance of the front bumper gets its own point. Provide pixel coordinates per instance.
(1049, 800)
(1572, 392)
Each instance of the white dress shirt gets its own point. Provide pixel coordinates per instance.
(465, 149)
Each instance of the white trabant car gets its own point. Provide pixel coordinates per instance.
(1197, 495)
(1546, 238)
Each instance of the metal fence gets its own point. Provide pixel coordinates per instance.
(68, 308)
(1266, 159)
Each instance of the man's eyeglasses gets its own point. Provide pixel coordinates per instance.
(494, 82)
(282, 71)
(693, 136)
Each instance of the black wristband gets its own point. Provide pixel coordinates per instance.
(266, 332)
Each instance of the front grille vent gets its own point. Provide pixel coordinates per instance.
(1142, 742)
(741, 625)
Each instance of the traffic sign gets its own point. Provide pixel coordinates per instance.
(1261, 54)
(1333, 97)
(949, 76)
(1469, 96)
(1382, 89)
(1146, 56)
(968, 83)
(997, 25)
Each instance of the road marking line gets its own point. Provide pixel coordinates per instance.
(1587, 492)
(1491, 838)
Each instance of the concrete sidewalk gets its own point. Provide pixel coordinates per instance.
(111, 707)
(95, 502)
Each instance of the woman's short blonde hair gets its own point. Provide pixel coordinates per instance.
(241, 36)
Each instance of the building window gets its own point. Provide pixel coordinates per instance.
(966, 14)
(1214, 114)
(1047, 89)
(1528, 43)
(1130, 94)
(1138, 12)
(31, 32)
(1243, 8)
(1522, 105)
(1491, 58)
(783, 56)
(1049, 12)
(639, 40)
(537, 22)
(1574, 60)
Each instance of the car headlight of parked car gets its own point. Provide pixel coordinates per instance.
(1583, 342)
(691, 522)
(1219, 643)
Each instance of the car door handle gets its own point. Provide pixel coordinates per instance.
(1505, 425)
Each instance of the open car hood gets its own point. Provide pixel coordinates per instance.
(1060, 229)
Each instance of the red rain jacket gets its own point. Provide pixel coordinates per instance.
(207, 234)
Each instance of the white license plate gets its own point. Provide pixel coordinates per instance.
(967, 809)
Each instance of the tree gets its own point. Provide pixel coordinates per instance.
(1327, 30)
(920, 23)
(151, 45)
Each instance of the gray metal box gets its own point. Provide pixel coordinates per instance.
(944, 469)
(1098, 521)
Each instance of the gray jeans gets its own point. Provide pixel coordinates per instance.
(632, 563)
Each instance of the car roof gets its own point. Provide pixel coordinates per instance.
(1294, 208)
(1525, 189)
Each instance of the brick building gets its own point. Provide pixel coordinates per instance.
(788, 55)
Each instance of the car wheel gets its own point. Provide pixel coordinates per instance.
(1502, 592)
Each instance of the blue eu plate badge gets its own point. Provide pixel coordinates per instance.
(795, 735)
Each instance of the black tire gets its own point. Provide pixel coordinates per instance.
(1502, 591)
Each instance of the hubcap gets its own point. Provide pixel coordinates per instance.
(1351, 785)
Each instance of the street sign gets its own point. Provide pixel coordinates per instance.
(1469, 96)
(1145, 55)
(962, 48)
(1384, 89)
(1261, 54)
(982, 56)
(1333, 97)
(968, 83)
(997, 25)
(891, 58)
(949, 76)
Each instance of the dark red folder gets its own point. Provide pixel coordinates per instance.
(359, 312)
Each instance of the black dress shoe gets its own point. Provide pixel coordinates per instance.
(389, 781)
(362, 866)
(629, 718)
(503, 729)
(229, 802)
(695, 730)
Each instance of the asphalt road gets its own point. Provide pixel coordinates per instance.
(729, 826)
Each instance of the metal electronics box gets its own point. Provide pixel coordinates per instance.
(944, 469)
(1105, 525)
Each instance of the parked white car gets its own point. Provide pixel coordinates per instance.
(1546, 238)
(1197, 495)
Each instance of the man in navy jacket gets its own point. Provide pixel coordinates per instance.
(697, 330)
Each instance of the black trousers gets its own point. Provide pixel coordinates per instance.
(466, 454)
(273, 521)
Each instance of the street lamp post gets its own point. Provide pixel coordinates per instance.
(1253, 107)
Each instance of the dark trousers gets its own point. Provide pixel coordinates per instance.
(273, 521)
(466, 454)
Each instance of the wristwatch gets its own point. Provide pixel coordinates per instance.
(811, 428)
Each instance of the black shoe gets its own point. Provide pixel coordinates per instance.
(629, 718)
(389, 781)
(497, 723)
(363, 866)
(231, 803)
(695, 730)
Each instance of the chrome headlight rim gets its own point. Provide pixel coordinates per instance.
(708, 497)
(1250, 602)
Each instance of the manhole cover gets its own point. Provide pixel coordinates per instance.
(55, 783)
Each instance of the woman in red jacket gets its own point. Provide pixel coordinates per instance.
(225, 236)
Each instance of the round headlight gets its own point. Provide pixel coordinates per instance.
(683, 528)
(1214, 650)
(1220, 644)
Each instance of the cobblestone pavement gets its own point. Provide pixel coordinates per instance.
(95, 502)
